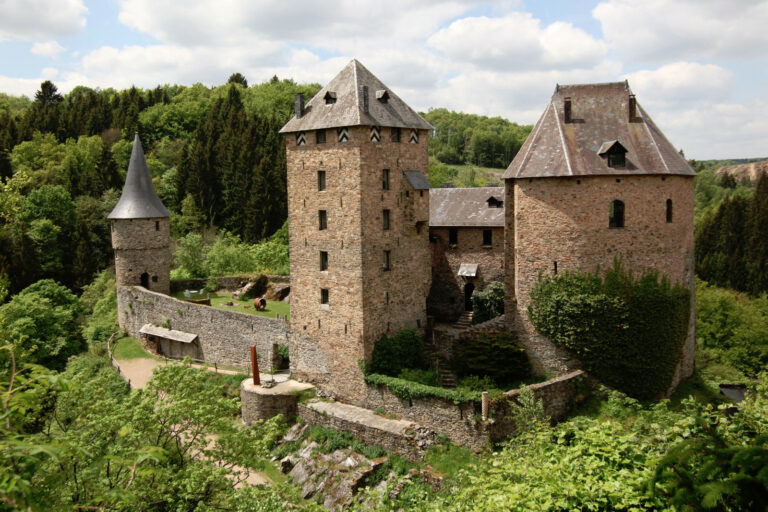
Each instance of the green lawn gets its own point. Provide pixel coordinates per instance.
(246, 306)
(129, 348)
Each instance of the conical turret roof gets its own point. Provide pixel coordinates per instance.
(139, 199)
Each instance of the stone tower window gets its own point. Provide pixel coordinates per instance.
(320, 136)
(453, 236)
(322, 217)
(616, 215)
(324, 296)
(669, 210)
(385, 219)
(323, 260)
(385, 179)
(157, 225)
(394, 134)
(487, 237)
(320, 181)
(387, 260)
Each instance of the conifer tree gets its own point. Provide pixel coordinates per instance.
(757, 240)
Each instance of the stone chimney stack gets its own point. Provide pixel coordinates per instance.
(567, 110)
(298, 106)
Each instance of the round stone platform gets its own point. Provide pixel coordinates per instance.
(261, 403)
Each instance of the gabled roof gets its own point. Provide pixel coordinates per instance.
(599, 113)
(609, 146)
(139, 199)
(349, 108)
(465, 207)
(417, 180)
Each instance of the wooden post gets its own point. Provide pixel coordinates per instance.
(485, 406)
(255, 367)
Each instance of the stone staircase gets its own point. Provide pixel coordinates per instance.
(464, 321)
(448, 378)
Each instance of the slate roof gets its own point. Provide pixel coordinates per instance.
(600, 113)
(139, 199)
(417, 180)
(465, 207)
(170, 334)
(349, 108)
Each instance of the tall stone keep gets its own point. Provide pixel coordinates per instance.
(596, 180)
(358, 204)
(141, 230)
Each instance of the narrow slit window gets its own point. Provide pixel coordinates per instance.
(320, 181)
(387, 260)
(324, 296)
(385, 220)
(320, 136)
(616, 215)
(385, 179)
(669, 211)
(157, 225)
(487, 237)
(323, 260)
(322, 216)
(453, 236)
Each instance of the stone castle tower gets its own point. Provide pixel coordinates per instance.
(595, 180)
(141, 230)
(358, 204)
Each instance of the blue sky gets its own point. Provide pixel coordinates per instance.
(699, 67)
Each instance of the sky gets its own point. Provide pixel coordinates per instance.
(698, 67)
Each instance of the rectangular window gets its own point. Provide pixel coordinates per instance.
(323, 260)
(453, 236)
(323, 295)
(387, 260)
(323, 219)
(487, 237)
(320, 136)
(385, 219)
(320, 180)
(385, 179)
(394, 134)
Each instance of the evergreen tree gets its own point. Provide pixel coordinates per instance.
(237, 78)
(757, 240)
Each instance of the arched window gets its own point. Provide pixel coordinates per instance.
(616, 215)
(669, 210)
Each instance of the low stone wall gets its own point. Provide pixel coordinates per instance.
(225, 337)
(225, 283)
(260, 403)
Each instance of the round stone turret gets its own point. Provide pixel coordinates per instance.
(141, 230)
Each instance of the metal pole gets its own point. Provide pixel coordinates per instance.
(255, 366)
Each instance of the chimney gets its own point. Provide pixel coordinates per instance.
(365, 99)
(298, 105)
(567, 109)
(632, 108)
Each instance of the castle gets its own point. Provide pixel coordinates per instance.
(595, 180)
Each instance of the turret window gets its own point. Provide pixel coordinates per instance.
(669, 211)
(385, 179)
(322, 217)
(616, 215)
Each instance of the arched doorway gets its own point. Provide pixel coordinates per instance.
(468, 289)
(145, 280)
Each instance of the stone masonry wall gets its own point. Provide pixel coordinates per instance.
(358, 313)
(225, 283)
(225, 337)
(565, 220)
(142, 245)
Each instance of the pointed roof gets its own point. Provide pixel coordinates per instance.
(139, 199)
(385, 108)
(600, 113)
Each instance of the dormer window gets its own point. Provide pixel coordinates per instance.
(330, 98)
(494, 202)
(382, 95)
(613, 153)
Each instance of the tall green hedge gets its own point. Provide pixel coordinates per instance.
(392, 355)
(488, 304)
(498, 355)
(628, 332)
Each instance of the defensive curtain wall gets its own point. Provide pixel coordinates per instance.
(224, 337)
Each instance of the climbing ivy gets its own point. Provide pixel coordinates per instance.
(628, 332)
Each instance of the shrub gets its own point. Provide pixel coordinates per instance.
(392, 355)
(499, 355)
(475, 383)
(628, 332)
(488, 303)
(427, 377)
(408, 390)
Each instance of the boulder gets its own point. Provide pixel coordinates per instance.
(278, 292)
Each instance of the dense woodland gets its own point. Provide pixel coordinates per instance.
(74, 437)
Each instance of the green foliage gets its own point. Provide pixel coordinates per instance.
(392, 355)
(528, 413)
(488, 303)
(475, 383)
(628, 332)
(426, 377)
(498, 355)
(408, 390)
(42, 324)
(331, 440)
(190, 255)
(100, 302)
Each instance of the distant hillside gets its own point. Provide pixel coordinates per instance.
(747, 171)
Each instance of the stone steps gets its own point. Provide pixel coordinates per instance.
(464, 321)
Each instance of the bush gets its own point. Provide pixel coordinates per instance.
(392, 355)
(475, 383)
(498, 355)
(488, 303)
(408, 390)
(628, 332)
(427, 377)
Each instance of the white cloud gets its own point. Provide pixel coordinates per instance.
(689, 29)
(49, 73)
(40, 19)
(47, 49)
(518, 42)
(682, 83)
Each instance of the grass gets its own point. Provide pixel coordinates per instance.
(273, 308)
(128, 348)
(448, 459)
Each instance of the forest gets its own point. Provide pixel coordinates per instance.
(73, 436)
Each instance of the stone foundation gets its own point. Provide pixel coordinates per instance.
(261, 403)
